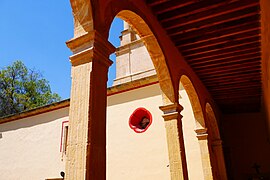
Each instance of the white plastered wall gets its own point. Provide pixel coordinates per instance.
(193, 154)
(144, 156)
(134, 155)
(30, 147)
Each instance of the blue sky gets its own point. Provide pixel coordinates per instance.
(35, 32)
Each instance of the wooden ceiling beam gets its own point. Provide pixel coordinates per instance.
(228, 70)
(222, 52)
(165, 7)
(252, 52)
(236, 96)
(192, 9)
(214, 35)
(230, 74)
(232, 67)
(232, 77)
(249, 34)
(223, 46)
(204, 25)
(155, 2)
(220, 40)
(215, 56)
(243, 59)
(231, 82)
(237, 99)
(250, 21)
(214, 15)
(245, 86)
(236, 92)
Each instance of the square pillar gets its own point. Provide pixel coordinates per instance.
(86, 148)
(218, 152)
(205, 154)
(175, 141)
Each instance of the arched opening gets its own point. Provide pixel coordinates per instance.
(215, 144)
(197, 133)
(194, 101)
(88, 101)
(191, 112)
(114, 34)
(154, 50)
(133, 99)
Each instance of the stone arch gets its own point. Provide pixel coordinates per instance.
(155, 52)
(83, 17)
(212, 122)
(200, 127)
(215, 143)
(194, 100)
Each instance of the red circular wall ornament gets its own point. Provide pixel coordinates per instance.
(140, 120)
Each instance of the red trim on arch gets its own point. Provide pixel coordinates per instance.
(136, 118)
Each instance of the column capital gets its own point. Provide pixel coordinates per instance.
(89, 46)
(171, 111)
(175, 107)
(201, 133)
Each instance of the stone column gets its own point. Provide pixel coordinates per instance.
(218, 152)
(86, 150)
(175, 141)
(206, 162)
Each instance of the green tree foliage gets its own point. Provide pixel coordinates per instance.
(23, 89)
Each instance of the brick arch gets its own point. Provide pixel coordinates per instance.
(155, 52)
(194, 100)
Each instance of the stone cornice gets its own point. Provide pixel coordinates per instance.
(171, 108)
(127, 47)
(88, 55)
(171, 111)
(171, 116)
(81, 42)
(126, 31)
(36, 111)
(82, 57)
(90, 46)
(201, 133)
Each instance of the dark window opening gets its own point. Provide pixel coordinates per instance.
(140, 120)
(144, 122)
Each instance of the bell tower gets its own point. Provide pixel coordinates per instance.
(132, 59)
